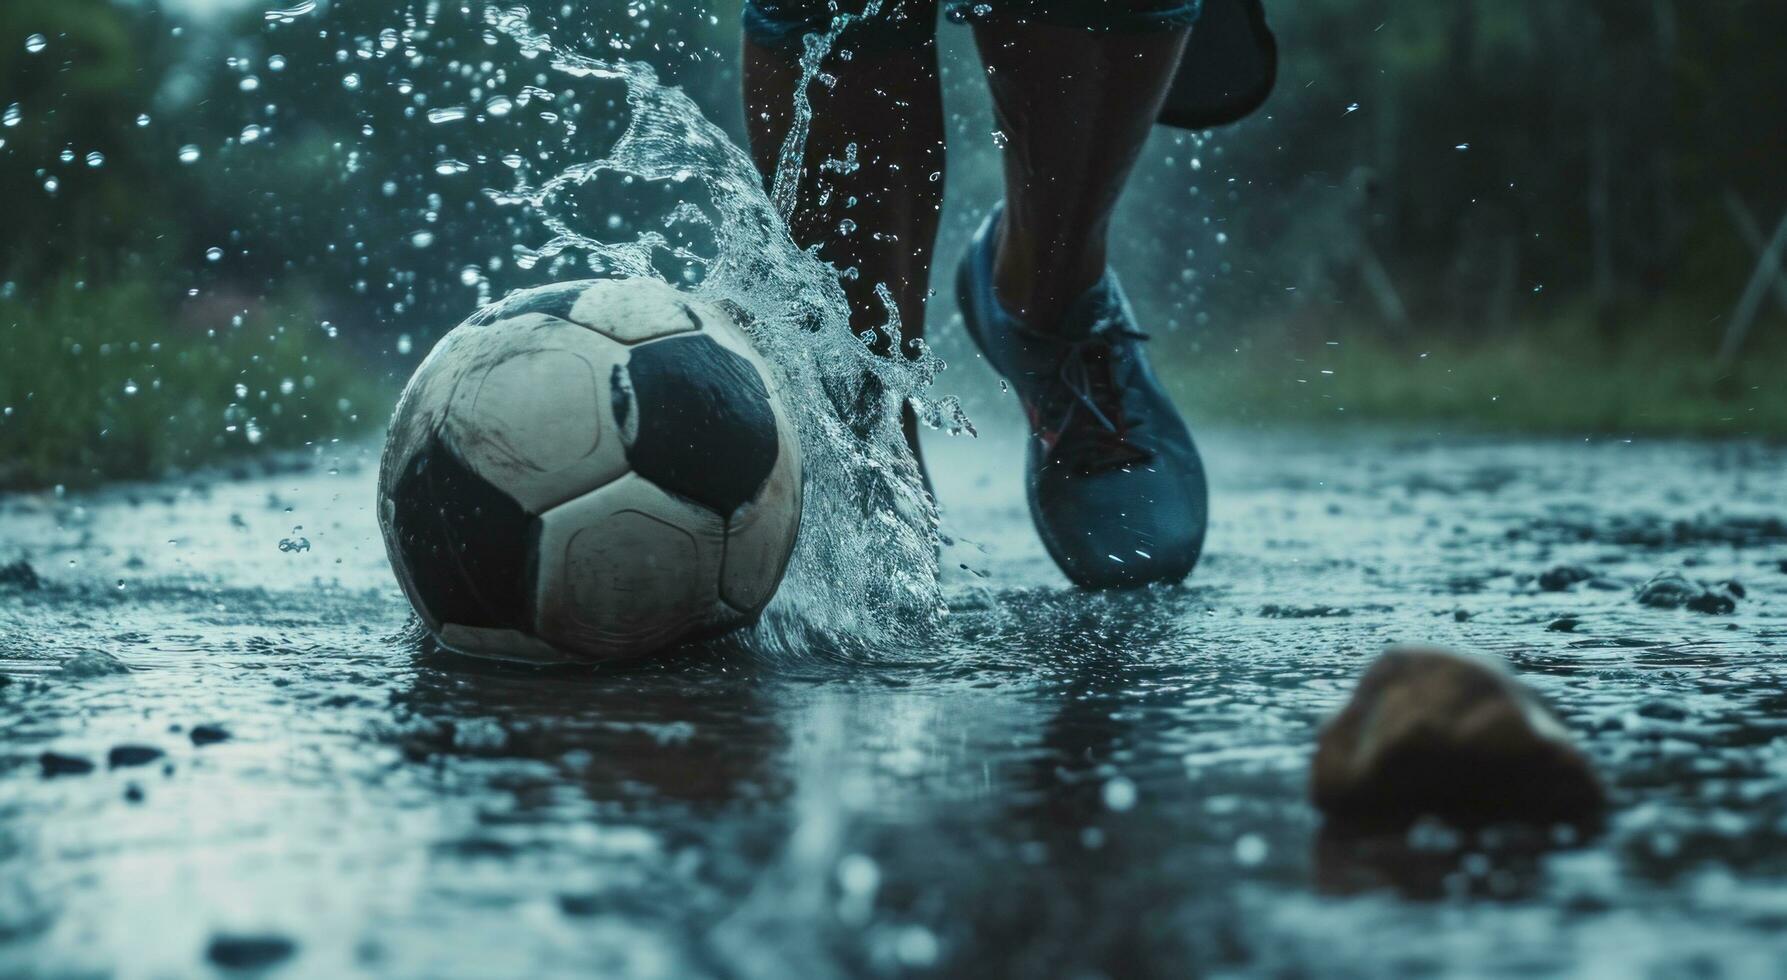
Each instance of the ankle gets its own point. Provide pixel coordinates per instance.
(1039, 284)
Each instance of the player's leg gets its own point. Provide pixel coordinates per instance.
(880, 218)
(1114, 481)
(1075, 108)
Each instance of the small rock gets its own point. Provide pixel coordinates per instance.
(1461, 616)
(20, 575)
(1564, 624)
(208, 734)
(1430, 732)
(93, 663)
(133, 793)
(1673, 590)
(1275, 611)
(122, 756)
(236, 952)
(1561, 577)
(57, 764)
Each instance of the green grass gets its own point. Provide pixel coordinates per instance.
(1551, 378)
(102, 382)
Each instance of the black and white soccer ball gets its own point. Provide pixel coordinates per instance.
(590, 471)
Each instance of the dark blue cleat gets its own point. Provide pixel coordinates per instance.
(1115, 483)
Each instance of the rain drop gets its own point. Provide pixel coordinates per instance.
(351, 82)
(422, 239)
(249, 84)
(143, 119)
(189, 154)
(12, 115)
(250, 133)
(446, 115)
(214, 254)
(96, 159)
(36, 43)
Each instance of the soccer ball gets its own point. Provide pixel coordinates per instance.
(590, 471)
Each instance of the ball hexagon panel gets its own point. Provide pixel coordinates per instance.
(460, 544)
(760, 536)
(706, 428)
(626, 570)
(500, 644)
(535, 416)
(632, 311)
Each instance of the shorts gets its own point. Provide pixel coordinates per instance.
(913, 23)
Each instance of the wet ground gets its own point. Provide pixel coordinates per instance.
(219, 749)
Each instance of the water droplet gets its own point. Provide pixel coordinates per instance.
(276, 63)
(189, 154)
(499, 106)
(95, 159)
(1119, 794)
(351, 82)
(846, 227)
(513, 161)
(291, 13)
(1462, 147)
(214, 254)
(1251, 849)
(422, 239)
(251, 133)
(67, 154)
(143, 119)
(446, 115)
(130, 386)
(470, 275)
(51, 184)
(12, 115)
(241, 390)
(404, 344)
(1000, 140)
(249, 83)
(1352, 108)
(447, 168)
(36, 43)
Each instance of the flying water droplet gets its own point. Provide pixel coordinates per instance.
(189, 154)
(446, 115)
(447, 168)
(276, 63)
(12, 115)
(351, 82)
(289, 14)
(422, 239)
(251, 133)
(499, 106)
(143, 119)
(249, 83)
(36, 43)
(214, 254)
(96, 159)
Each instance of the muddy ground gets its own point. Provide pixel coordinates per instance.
(219, 751)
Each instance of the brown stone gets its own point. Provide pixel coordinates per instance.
(1431, 732)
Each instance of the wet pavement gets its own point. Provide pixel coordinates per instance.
(221, 750)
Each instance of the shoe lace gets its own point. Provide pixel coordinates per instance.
(1101, 432)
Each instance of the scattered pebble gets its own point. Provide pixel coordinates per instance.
(1431, 732)
(20, 575)
(208, 734)
(1461, 616)
(93, 663)
(236, 952)
(1564, 624)
(122, 756)
(57, 764)
(133, 793)
(1275, 611)
(1673, 590)
(1559, 578)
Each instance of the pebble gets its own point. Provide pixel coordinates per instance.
(1559, 578)
(93, 663)
(208, 734)
(1432, 732)
(241, 952)
(1673, 590)
(1564, 624)
(57, 764)
(132, 755)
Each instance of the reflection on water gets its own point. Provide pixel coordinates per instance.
(1071, 785)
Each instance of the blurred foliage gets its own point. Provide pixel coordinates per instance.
(1459, 175)
(100, 386)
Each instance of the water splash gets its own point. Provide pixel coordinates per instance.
(863, 581)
